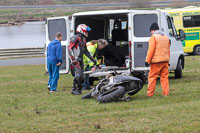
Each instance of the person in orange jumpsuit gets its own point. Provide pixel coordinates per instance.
(158, 56)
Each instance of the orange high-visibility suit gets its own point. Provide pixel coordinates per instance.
(158, 56)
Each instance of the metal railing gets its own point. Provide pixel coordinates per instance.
(23, 52)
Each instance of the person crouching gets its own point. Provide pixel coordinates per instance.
(93, 47)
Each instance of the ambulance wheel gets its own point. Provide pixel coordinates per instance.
(91, 81)
(197, 50)
(178, 71)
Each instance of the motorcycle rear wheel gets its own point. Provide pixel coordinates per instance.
(137, 87)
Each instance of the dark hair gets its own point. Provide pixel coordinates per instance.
(154, 26)
(93, 41)
(58, 35)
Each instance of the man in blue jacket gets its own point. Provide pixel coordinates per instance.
(54, 60)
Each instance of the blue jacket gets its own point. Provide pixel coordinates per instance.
(54, 51)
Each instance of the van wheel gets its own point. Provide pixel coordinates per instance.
(178, 71)
(197, 50)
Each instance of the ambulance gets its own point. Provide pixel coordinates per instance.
(128, 34)
(188, 19)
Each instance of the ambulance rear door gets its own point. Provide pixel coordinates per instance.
(54, 25)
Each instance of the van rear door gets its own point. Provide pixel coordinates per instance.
(140, 25)
(54, 25)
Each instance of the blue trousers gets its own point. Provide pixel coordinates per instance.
(53, 75)
(86, 83)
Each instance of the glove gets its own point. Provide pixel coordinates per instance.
(72, 58)
(74, 61)
(146, 64)
(98, 67)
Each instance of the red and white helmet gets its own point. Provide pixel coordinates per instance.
(83, 29)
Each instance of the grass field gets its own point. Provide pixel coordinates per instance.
(13, 15)
(54, 2)
(16, 15)
(26, 105)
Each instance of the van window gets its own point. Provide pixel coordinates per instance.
(142, 23)
(57, 25)
(123, 26)
(111, 25)
(170, 27)
(191, 21)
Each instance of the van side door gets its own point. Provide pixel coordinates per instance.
(54, 25)
(141, 20)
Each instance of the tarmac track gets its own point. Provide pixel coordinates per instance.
(23, 61)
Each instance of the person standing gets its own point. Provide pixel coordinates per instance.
(54, 60)
(93, 47)
(158, 57)
(76, 49)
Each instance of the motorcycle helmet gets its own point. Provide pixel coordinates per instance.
(83, 29)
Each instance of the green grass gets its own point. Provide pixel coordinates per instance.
(58, 2)
(26, 105)
(11, 15)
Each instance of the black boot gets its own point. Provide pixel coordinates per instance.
(79, 88)
(75, 90)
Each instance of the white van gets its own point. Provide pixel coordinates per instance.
(127, 32)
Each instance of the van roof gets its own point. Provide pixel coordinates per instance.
(107, 12)
(101, 12)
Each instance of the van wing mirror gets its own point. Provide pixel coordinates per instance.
(181, 35)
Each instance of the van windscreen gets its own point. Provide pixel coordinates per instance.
(142, 23)
(57, 25)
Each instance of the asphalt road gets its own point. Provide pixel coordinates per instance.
(163, 3)
(64, 6)
(21, 62)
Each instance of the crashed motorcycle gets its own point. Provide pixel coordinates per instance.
(114, 88)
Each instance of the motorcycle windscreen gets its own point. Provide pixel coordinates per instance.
(55, 25)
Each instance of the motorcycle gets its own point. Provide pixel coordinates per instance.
(114, 88)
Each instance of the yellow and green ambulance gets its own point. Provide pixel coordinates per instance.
(188, 19)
